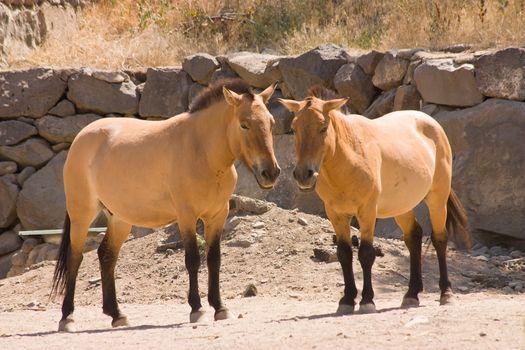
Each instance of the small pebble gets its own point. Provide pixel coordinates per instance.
(462, 289)
(250, 291)
(240, 316)
(481, 258)
(507, 289)
(482, 334)
(170, 252)
(515, 254)
(302, 221)
(258, 224)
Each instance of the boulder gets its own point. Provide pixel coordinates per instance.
(352, 82)
(41, 203)
(409, 76)
(258, 70)
(195, 89)
(57, 130)
(317, 66)
(407, 97)
(368, 62)
(13, 132)
(200, 67)
(8, 196)
(382, 105)
(390, 71)
(64, 108)
(489, 163)
(33, 152)
(442, 82)
(90, 94)
(282, 116)
(30, 92)
(165, 93)
(5, 264)
(285, 194)
(9, 242)
(224, 72)
(25, 174)
(502, 74)
(7, 168)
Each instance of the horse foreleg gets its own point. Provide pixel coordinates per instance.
(341, 224)
(367, 255)
(108, 252)
(212, 234)
(193, 261)
(412, 235)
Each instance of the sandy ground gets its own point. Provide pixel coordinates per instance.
(297, 295)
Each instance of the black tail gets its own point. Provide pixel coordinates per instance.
(457, 223)
(60, 275)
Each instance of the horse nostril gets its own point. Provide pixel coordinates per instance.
(265, 174)
(310, 173)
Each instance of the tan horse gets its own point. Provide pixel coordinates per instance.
(377, 169)
(154, 173)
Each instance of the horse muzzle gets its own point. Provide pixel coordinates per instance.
(266, 176)
(306, 178)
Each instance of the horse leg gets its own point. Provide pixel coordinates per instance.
(193, 261)
(412, 235)
(341, 224)
(437, 207)
(212, 234)
(77, 239)
(367, 255)
(108, 252)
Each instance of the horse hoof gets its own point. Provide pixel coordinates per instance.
(120, 322)
(222, 315)
(409, 302)
(369, 308)
(67, 325)
(197, 316)
(446, 298)
(345, 309)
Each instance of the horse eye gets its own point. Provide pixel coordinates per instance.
(244, 126)
(323, 130)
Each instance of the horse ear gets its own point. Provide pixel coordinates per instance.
(231, 97)
(268, 92)
(291, 105)
(334, 104)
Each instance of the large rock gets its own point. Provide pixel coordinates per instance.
(441, 82)
(165, 93)
(282, 116)
(64, 108)
(352, 82)
(489, 164)
(30, 92)
(33, 152)
(382, 105)
(5, 264)
(407, 97)
(369, 61)
(200, 67)
(7, 168)
(9, 242)
(57, 130)
(390, 71)
(8, 196)
(502, 74)
(41, 203)
(258, 70)
(317, 66)
(285, 194)
(13, 132)
(92, 94)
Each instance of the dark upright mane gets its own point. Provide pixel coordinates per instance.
(213, 93)
(324, 93)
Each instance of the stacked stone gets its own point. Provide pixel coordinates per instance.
(477, 97)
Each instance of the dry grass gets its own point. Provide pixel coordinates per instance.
(126, 33)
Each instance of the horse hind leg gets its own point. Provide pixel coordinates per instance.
(108, 252)
(412, 235)
(437, 207)
(69, 260)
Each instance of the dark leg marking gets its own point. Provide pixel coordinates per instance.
(413, 243)
(344, 254)
(193, 261)
(367, 256)
(444, 282)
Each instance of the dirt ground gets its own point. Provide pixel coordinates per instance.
(295, 302)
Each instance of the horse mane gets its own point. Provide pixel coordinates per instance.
(324, 93)
(213, 93)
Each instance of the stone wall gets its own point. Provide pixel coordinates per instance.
(476, 96)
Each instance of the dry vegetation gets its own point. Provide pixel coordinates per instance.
(129, 33)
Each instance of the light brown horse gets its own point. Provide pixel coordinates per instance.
(377, 169)
(154, 173)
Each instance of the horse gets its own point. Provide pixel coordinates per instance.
(155, 173)
(372, 169)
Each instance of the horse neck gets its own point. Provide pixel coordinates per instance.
(343, 144)
(212, 126)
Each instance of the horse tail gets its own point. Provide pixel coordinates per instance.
(60, 275)
(457, 222)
